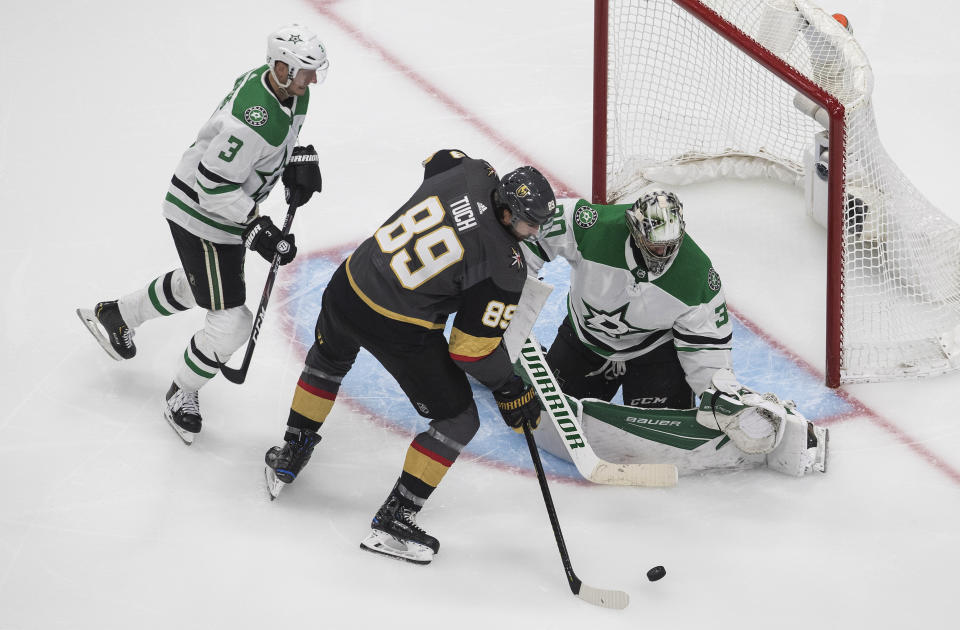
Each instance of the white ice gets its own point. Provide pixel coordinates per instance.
(108, 521)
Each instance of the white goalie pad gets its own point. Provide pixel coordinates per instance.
(803, 448)
(752, 421)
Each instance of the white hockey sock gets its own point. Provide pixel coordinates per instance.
(223, 332)
(166, 295)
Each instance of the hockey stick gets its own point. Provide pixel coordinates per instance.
(568, 425)
(240, 374)
(595, 596)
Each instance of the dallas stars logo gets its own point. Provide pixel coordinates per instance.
(294, 39)
(613, 323)
(586, 216)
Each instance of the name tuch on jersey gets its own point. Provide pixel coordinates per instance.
(463, 214)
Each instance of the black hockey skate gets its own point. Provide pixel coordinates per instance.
(394, 532)
(182, 410)
(118, 341)
(285, 462)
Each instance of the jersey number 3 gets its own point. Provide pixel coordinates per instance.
(435, 248)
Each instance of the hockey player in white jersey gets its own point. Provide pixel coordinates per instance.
(212, 207)
(646, 312)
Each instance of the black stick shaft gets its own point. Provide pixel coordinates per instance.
(240, 374)
(551, 511)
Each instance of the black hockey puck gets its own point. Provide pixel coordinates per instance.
(656, 573)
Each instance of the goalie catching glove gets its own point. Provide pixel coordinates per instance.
(265, 238)
(518, 404)
(752, 421)
(301, 176)
(763, 424)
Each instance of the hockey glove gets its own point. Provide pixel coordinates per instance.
(518, 403)
(265, 238)
(301, 176)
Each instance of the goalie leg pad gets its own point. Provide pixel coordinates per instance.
(803, 449)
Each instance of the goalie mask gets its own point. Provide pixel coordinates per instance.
(528, 195)
(299, 48)
(657, 227)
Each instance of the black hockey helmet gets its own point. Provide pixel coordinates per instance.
(528, 195)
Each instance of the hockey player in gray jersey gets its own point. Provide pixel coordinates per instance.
(646, 311)
(212, 208)
(453, 247)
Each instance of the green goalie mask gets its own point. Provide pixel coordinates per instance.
(656, 224)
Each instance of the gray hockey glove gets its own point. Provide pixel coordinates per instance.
(518, 403)
(301, 176)
(265, 238)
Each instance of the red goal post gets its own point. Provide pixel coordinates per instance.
(748, 88)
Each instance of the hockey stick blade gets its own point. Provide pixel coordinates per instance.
(598, 597)
(642, 475)
(617, 600)
(570, 428)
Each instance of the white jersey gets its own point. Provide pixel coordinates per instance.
(620, 310)
(236, 160)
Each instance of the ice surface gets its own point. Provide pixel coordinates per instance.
(108, 521)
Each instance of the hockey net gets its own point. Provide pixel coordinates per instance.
(690, 90)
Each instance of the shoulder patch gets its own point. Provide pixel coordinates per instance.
(713, 280)
(586, 216)
(256, 116)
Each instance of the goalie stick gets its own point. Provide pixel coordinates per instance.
(596, 596)
(239, 374)
(568, 425)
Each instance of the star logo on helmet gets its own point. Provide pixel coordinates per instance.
(295, 39)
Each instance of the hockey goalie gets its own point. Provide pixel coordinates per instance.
(646, 313)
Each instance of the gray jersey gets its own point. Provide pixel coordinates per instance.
(619, 309)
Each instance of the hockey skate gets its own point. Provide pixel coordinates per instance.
(285, 462)
(394, 532)
(182, 410)
(118, 340)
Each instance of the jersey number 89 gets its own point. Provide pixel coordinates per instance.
(498, 314)
(435, 250)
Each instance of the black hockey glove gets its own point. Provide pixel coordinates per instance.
(301, 175)
(265, 238)
(518, 403)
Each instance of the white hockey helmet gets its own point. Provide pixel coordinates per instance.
(299, 48)
(657, 226)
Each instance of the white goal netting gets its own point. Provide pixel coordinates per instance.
(684, 104)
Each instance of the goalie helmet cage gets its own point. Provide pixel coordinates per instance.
(690, 90)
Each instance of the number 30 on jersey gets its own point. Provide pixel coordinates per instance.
(435, 248)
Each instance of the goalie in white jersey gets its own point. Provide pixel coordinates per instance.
(646, 312)
(212, 207)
